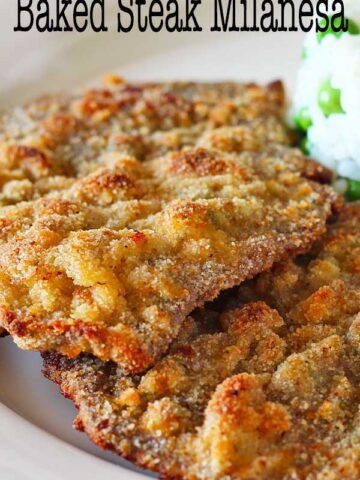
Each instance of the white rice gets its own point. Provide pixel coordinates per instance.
(333, 140)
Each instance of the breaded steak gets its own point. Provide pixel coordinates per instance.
(244, 393)
(144, 201)
(331, 269)
(113, 265)
(48, 144)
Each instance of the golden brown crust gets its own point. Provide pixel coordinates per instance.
(134, 230)
(321, 272)
(261, 396)
(113, 266)
(48, 144)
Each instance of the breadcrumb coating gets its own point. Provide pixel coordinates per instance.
(245, 392)
(143, 202)
(48, 144)
(113, 265)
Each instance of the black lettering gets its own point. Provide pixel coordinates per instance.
(26, 9)
(61, 17)
(190, 16)
(80, 11)
(101, 15)
(323, 21)
(142, 27)
(44, 14)
(338, 21)
(173, 15)
(254, 28)
(282, 4)
(272, 24)
(121, 27)
(244, 27)
(231, 10)
(303, 13)
(156, 12)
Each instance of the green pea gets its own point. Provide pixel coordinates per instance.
(305, 146)
(329, 99)
(353, 190)
(353, 29)
(303, 120)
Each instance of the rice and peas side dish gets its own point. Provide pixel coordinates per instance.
(327, 101)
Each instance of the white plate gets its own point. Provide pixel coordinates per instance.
(36, 437)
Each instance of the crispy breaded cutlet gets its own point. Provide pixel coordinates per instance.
(245, 393)
(114, 265)
(95, 159)
(48, 144)
(331, 269)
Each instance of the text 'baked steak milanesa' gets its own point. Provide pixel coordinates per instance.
(245, 393)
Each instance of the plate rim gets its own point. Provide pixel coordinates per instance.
(80, 459)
